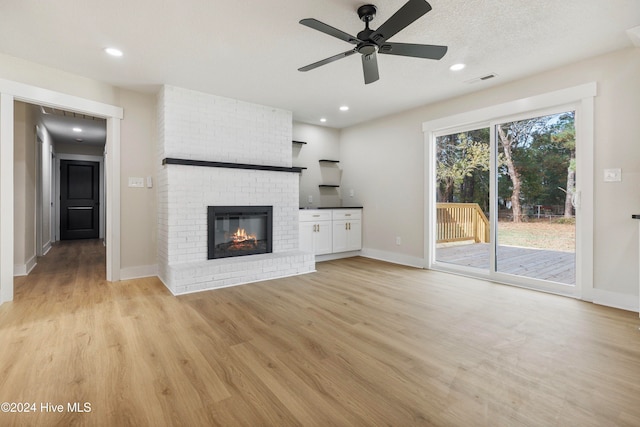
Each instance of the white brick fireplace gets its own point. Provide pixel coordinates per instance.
(195, 126)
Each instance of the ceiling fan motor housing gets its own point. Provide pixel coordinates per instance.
(366, 48)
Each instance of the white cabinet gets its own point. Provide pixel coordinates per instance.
(326, 231)
(315, 231)
(347, 230)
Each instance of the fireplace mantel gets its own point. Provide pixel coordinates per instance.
(204, 163)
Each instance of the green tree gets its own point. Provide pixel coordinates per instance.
(512, 136)
(459, 157)
(565, 137)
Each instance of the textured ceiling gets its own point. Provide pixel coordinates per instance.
(251, 49)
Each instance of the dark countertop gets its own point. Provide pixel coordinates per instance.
(333, 207)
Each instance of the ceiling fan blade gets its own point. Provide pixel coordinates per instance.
(327, 60)
(328, 29)
(370, 68)
(408, 13)
(415, 50)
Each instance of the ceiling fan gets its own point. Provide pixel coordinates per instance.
(370, 41)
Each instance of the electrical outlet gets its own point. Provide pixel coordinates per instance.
(310, 199)
(398, 240)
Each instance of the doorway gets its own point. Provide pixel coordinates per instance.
(535, 189)
(66, 136)
(11, 91)
(510, 194)
(79, 200)
(532, 168)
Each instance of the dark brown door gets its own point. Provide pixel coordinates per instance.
(79, 200)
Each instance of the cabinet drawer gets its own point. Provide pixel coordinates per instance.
(347, 214)
(315, 215)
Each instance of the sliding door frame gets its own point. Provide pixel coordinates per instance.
(579, 99)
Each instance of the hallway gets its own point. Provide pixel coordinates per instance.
(68, 261)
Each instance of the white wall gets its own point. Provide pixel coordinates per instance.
(24, 175)
(138, 205)
(46, 189)
(78, 148)
(321, 143)
(383, 162)
(394, 200)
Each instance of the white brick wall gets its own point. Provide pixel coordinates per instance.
(198, 126)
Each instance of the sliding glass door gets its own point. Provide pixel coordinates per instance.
(505, 200)
(463, 205)
(536, 175)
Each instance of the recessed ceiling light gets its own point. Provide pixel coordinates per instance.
(113, 51)
(77, 129)
(323, 120)
(457, 67)
(344, 108)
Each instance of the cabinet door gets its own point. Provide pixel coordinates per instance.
(354, 235)
(322, 238)
(307, 236)
(340, 236)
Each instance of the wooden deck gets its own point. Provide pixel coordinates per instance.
(542, 264)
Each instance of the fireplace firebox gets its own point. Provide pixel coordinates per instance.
(239, 230)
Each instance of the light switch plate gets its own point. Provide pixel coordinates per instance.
(613, 175)
(136, 182)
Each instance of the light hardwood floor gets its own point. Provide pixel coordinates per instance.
(359, 343)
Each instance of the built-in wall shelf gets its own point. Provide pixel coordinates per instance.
(299, 142)
(328, 161)
(328, 186)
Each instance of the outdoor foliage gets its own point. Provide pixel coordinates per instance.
(536, 166)
(463, 167)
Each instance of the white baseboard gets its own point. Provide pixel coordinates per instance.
(19, 270)
(138, 272)
(338, 255)
(46, 248)
(25, 269)
(393, 257)
(238, 284)
(616, 300)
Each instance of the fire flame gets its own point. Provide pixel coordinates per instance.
(242, 236)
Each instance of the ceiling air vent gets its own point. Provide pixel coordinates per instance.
(482, 78)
